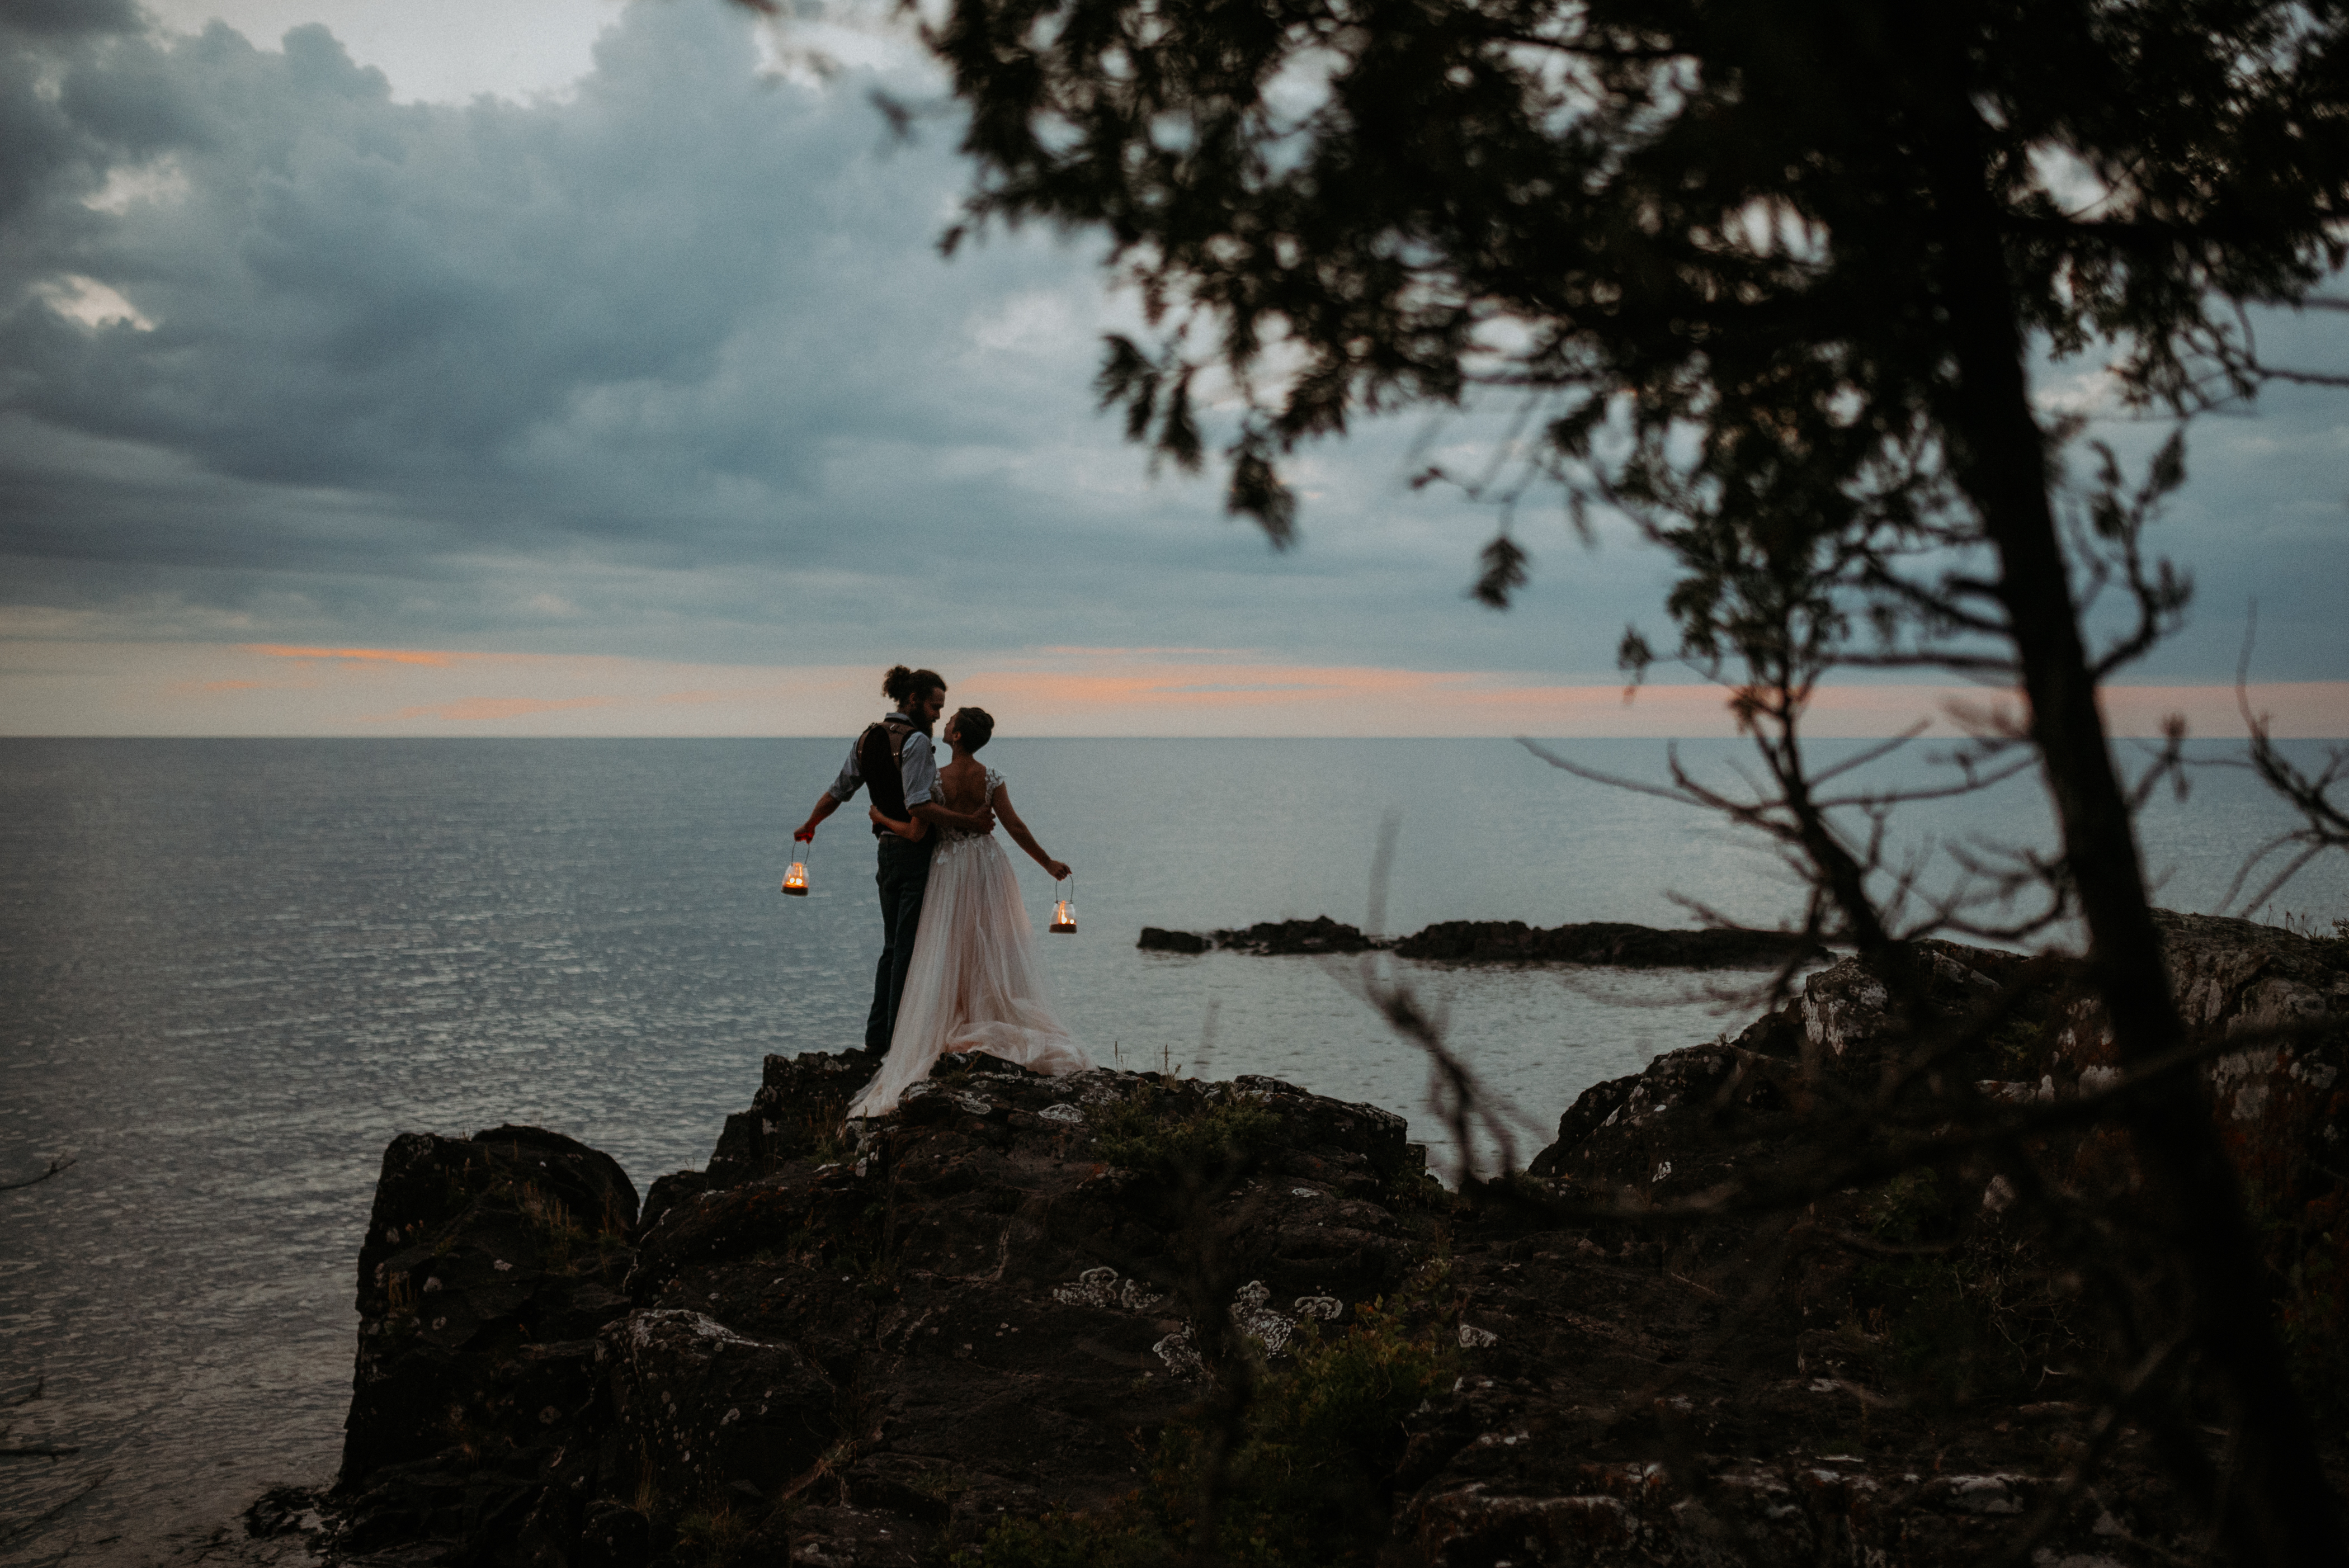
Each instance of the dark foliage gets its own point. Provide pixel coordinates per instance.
(1764, 278)
(1762, 221)
(1308, 1481)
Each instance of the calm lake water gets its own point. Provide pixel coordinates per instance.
(230, 970)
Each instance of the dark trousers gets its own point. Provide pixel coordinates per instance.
(903, 877)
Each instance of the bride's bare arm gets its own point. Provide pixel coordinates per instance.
(1026, 839)
(912, 829)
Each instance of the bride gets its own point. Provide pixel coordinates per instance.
(974, 984)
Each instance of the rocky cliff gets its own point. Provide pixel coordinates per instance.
(1011, 1321)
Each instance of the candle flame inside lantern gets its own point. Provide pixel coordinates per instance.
(1064, 915)
(795, 879)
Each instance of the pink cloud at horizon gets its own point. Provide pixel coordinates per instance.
(1358, 700)
(435, 659)
(481, 710)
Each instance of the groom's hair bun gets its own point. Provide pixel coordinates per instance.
(975, 725)
(901, 683)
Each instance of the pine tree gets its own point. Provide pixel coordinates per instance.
(1771, 276)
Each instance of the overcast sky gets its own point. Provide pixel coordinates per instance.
(599, 362)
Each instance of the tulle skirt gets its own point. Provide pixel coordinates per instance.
(975, 982)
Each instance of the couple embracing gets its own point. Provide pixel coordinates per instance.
(958, 962)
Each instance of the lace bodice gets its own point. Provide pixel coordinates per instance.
(957, 836)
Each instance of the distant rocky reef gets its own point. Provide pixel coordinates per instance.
(1607, 942)
(986, 1324)
(1319, 934)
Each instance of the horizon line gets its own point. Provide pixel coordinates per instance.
(334, 690)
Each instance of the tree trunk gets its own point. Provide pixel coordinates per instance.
(2277, 1506)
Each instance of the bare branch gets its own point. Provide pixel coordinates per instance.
(62, 1162)
(2325, 819)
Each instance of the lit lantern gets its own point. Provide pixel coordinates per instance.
(1064, 910)
(795, 879)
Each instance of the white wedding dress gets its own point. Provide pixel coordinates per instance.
(975, 982)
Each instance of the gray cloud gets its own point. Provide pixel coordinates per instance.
(350, 291)
(2264, 516)
(64, 17)
(669, 366)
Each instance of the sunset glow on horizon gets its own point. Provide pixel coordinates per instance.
(282, 689)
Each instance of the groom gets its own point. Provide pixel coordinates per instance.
(895, 757)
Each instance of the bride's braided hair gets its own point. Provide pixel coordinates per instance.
(974, 727)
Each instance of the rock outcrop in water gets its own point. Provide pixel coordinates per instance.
(979, 1325)
(1602, 941)
(1614, 942)
(1319, 934)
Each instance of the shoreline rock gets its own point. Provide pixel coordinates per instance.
(960, 1312)
(1611, 943)
(491, 1265)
